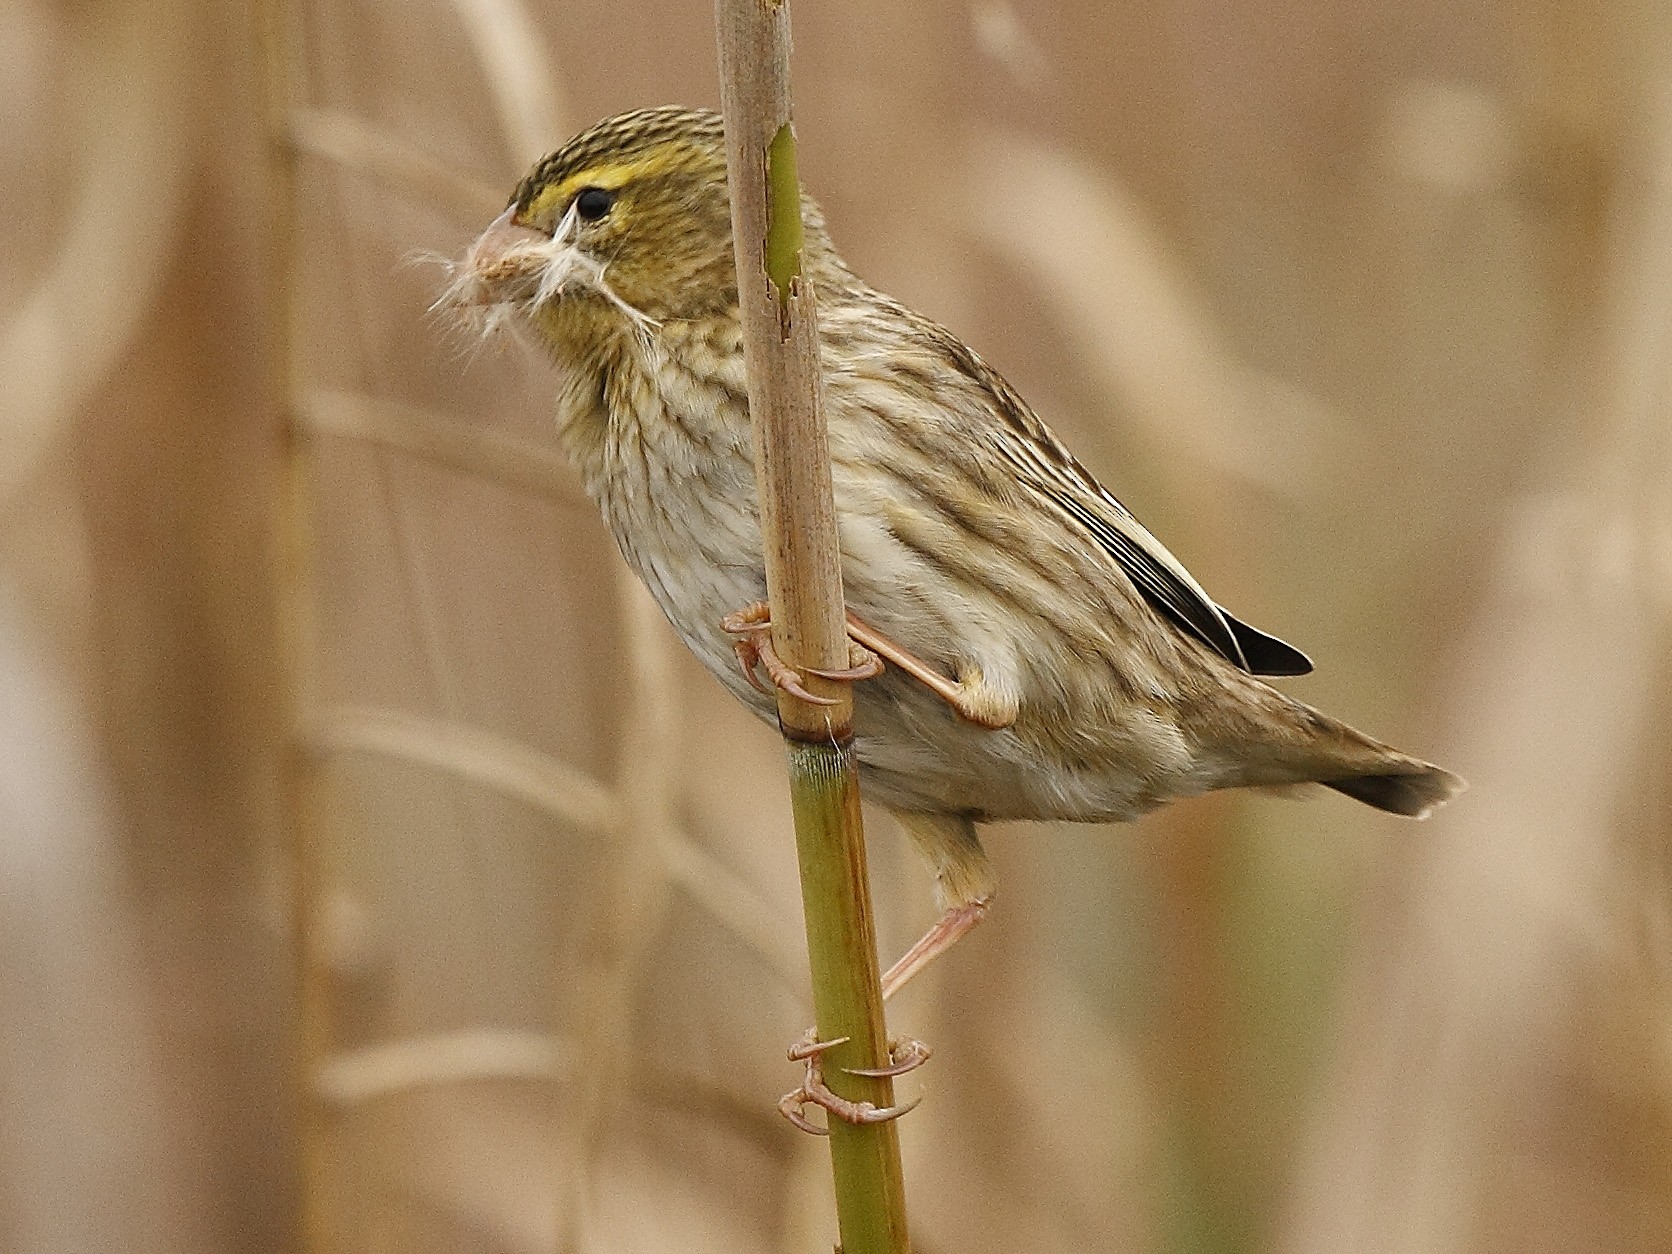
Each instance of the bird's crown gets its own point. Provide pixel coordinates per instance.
(645, 143)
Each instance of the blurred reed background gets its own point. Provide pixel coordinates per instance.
(1367, 310)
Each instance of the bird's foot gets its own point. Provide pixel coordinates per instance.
(904, 1055)
(752, 626)
(972, 699)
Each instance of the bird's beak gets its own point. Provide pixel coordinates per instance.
(505, 236)
(505, 262)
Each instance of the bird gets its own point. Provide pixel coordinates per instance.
(1039, 654)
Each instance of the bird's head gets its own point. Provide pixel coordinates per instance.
(628, 222)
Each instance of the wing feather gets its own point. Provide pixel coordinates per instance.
(1045, 466)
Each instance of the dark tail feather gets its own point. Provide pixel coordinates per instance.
(1417, 792)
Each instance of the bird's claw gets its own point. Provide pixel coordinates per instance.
(813, 1091)
(904, 1054)
(752, 626)
(862, 664)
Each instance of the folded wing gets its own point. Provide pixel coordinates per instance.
(1052, 472)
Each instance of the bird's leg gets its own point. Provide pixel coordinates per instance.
(752, 626)
(964, 884)
(973, 700)
(815, 1092)
(948, 930)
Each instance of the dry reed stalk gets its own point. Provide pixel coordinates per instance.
(521, 79)
(494, 762)
(1514, 932)
(562, 792)
(470, 754)
(636, 811)
(372, 151)
(628, 911)
(302, 800)
(443, 441)
(128, 160)
(1127, 309)
(804, 587)
(357, 1076)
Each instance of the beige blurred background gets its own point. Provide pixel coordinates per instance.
(1367, 310)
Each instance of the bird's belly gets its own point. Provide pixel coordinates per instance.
(702, 562)
(917, 754)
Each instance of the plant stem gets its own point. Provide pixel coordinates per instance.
(804, 586)
(847, 999)
(294, 556)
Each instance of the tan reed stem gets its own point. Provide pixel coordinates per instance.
(294, 550)
(804, 586)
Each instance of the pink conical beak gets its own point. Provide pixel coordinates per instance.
(505, 258)
(504, 235)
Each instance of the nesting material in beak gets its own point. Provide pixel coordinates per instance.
(515, 268)
(506, 263)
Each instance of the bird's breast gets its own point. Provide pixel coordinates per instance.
(662, 443)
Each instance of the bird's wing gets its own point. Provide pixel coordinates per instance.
(1168, 586)
(1052, 473)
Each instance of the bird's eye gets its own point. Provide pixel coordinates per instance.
(593, 203)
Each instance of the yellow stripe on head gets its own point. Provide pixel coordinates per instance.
(620, 150)
(613, 175)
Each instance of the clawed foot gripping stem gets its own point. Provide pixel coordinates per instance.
(904, 1055)
(752, 626)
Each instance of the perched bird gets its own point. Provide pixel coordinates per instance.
(1050, 658)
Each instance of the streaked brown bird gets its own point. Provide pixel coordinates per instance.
(1049, 658)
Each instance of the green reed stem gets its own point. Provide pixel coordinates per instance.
(847, 1000)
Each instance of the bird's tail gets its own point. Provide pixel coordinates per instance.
(1300, 745)
(1417, 789)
